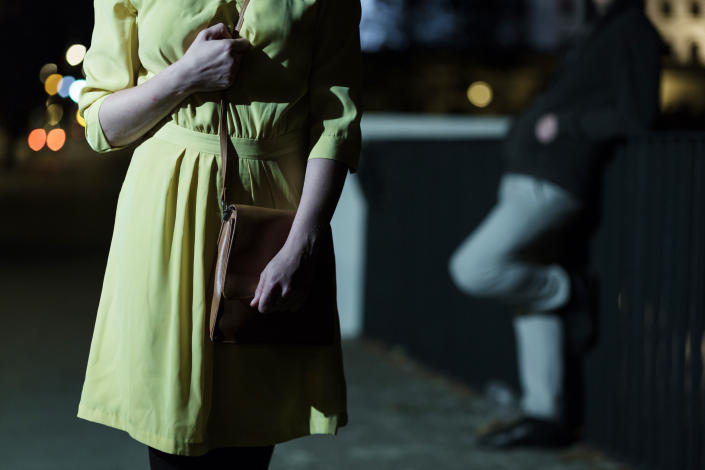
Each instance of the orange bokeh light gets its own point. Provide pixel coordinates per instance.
(56, 139)
(36, 140)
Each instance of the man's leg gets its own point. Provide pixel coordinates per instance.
(488, 262)
(539, 340)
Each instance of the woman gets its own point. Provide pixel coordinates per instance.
(155, 71)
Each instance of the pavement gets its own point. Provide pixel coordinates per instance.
(402, 415)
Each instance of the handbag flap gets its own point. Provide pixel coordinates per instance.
(257, 236)
(249, 238)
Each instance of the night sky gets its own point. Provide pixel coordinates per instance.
(32, 34)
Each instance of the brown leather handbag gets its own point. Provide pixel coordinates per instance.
(249, 238)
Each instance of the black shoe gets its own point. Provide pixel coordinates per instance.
(529, 432)
(580, 314)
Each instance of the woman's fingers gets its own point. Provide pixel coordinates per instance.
(279, 287)
(217, 31)
(274, 298)
(266, 299)
(258, 291)
(255, 301)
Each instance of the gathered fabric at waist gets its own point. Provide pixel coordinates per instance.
(257, 149)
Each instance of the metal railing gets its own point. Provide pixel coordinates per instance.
(645, 380)
(645, 383)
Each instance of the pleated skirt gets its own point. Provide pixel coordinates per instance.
(152, 370)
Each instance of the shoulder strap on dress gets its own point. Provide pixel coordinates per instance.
(223, 131)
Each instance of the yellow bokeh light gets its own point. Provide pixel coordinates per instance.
(80, 119)
(46, 70)
(54, 114)
(51, 85)
(75, 54)
(480, 94)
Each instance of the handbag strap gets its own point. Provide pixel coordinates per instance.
(223, 132)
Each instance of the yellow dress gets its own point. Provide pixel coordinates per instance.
(152, 370)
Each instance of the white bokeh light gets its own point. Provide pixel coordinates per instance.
(75, 89)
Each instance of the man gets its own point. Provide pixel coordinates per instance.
(605, 89)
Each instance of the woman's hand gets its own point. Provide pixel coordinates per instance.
(210, 63)
(213, 59)
(286, 281)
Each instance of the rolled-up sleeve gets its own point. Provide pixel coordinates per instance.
(335, 82)
(111, 64)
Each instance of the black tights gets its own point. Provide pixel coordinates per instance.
(226, 458)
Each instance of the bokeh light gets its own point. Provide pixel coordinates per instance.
(54, 114)
(56, 139)
(480, 94)
(75, 54)
(51, 84)
(79, 119)
(75, 89)
(36, 140)
(65, 85)
(46, 70)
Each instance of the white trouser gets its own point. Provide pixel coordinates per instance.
(490, 263)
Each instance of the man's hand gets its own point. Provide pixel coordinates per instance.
(547, 128)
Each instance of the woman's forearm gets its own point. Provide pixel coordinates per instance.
(323, 184)
(128, 114)
(210, 63)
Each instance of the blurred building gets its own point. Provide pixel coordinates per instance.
(550, 22)
(541, 25)
(682, 25)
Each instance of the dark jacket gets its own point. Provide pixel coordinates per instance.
(605, 89)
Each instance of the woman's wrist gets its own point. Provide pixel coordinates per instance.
(180, 81)
(304, 236)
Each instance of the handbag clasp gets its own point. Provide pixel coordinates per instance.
(227, 211)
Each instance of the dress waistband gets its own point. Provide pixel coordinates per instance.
(259, 149)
